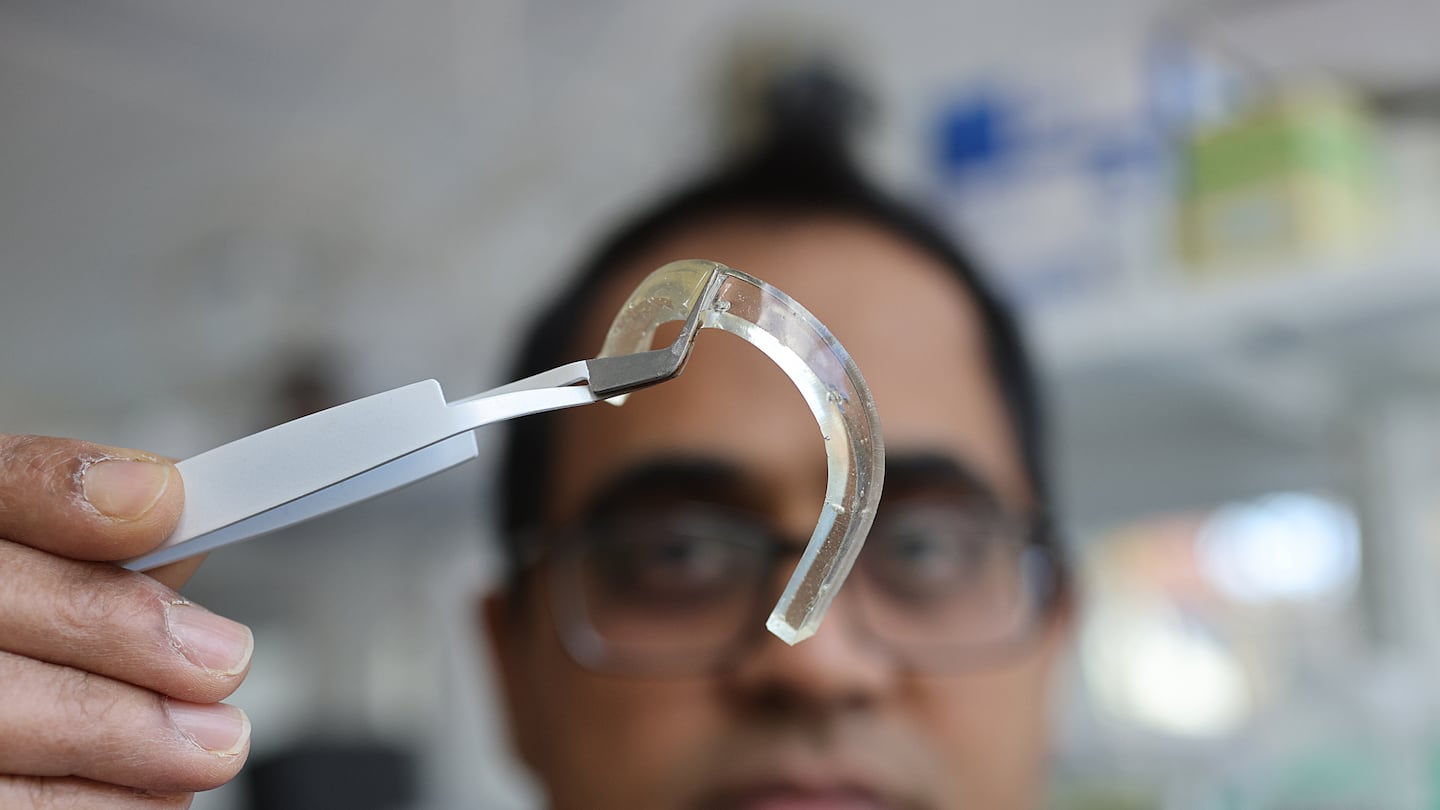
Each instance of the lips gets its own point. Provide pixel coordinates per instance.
(786, 770)
(790, 796)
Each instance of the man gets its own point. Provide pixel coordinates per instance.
(648, 540)
(646, 543)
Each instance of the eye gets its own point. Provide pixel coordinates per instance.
(659, 558)
(675, 559)
(929, 551)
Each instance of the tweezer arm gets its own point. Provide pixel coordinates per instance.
(353, 452)
(343, 455)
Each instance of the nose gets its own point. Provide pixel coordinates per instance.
(834, 671)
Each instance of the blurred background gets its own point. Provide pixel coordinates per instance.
(1221, 219)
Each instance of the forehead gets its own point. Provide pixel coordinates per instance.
(910, 326)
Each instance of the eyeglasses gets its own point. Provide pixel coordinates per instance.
(683, 588)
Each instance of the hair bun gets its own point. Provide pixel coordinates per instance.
(780, 94)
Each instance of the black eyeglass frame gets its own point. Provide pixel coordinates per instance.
(1046, 572)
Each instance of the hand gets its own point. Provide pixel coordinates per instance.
(109, 679)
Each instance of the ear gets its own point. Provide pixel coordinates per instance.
(1060, 627)
(511, 646)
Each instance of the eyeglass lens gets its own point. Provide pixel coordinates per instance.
(687, 583)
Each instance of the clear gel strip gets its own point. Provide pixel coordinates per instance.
(827, 377)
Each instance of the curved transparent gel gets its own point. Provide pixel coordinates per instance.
(840, 401)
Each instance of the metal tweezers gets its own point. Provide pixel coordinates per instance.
(353, 452)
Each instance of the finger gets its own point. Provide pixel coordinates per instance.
(176, 574)
(56, 721)
(36, 793)
(99, 618)
(86, 501)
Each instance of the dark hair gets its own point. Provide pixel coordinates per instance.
(802, 167)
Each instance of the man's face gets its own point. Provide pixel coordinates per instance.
(835, 721)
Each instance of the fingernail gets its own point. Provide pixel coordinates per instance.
(215, 727)
(209, 641)
(125, 489)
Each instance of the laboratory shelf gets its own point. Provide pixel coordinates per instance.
(1196, 392)
(1387, 305)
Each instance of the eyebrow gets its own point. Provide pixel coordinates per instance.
(918, 471)
(674, 478)
(663, 479)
